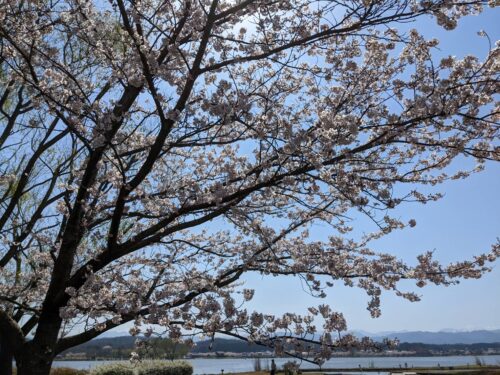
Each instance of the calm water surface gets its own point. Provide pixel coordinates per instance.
(214, 366)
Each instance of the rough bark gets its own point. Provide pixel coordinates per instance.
(11, 341)
(36, 356)
(6, 357)
(34, 360)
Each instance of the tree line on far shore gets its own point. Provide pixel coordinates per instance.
(121, 347)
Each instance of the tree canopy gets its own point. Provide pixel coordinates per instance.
(154, 151)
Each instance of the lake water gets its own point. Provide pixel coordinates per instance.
(215, 365)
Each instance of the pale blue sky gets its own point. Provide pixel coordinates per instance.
(464, 223)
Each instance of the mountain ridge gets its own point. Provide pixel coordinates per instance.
(447, 336)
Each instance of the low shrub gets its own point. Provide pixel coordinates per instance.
(165, 368)
(291, 368)
(61, 371)
(113, 369)
(67, 371)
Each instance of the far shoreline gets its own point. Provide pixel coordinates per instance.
(376, 355)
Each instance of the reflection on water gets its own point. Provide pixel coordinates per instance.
(229, 365)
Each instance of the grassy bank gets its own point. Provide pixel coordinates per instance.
(62, 371)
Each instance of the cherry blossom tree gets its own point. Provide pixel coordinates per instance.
(154, 152)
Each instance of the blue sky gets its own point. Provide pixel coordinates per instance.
(464, 223)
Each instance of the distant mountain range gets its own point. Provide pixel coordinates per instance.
(424, 337)
(440, 338)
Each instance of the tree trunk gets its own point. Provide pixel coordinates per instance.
(36, 356)
(33, 363)
(6, 357)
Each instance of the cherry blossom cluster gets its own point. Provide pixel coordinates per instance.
(153, 153)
